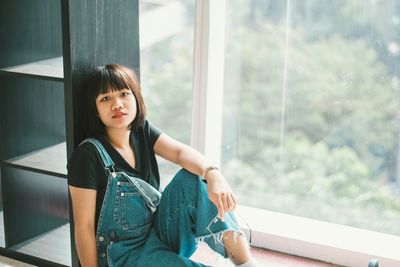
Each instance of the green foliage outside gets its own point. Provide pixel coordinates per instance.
(337, 152)
(326, 146)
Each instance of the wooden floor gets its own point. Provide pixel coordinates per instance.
(276, 259)
(264, 257)
(6, 262)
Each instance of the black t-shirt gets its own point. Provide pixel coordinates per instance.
(86, 169)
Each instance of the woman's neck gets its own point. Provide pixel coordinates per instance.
(118, 138)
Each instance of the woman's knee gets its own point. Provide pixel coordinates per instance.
(185, 178)
(185, 181)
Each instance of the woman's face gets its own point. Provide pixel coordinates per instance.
(117, 109)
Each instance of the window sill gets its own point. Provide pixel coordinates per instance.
(328, 242)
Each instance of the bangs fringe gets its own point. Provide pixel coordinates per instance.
(110, 80)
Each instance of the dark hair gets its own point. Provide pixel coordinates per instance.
(112, 77)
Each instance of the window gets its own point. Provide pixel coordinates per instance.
(166, 44)
(311, 121)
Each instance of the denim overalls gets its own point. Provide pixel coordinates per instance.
(138, 227)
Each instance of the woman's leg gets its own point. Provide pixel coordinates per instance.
(237, 248)
(156, 253)
(186, 215)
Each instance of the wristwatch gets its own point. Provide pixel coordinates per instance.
(209, 168)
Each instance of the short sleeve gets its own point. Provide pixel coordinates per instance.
(83, 168)
(153, 132)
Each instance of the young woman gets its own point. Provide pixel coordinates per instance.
(120, 217)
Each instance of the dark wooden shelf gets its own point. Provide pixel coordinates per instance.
(54, 246)
(51, 160)
(49, 69)
(44, 63)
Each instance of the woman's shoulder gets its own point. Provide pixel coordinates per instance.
(147, 131)
(149, 128)
(86, 149)
(85, 153)
(84, 167)
(145, 125)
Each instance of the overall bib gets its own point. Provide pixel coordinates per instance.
(139, 227)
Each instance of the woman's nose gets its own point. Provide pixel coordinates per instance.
(117, 104)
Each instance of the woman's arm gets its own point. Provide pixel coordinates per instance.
(84, 210)
(219, 191)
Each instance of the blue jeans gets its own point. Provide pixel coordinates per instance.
(139, 227)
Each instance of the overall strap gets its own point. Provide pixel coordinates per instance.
(107, 161)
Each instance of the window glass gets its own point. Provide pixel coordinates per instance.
(166, 51)
(312, 109)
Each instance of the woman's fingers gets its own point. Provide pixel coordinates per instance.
(220, 207)
(224, 198)
(225, 203)
(231, 202)
(220, 193)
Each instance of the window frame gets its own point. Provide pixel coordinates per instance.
(208, 78)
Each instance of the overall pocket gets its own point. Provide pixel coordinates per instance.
(130, 209)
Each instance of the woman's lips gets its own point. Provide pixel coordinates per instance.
(118, 115)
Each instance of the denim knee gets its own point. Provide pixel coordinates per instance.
(185, 176)
(185, 182)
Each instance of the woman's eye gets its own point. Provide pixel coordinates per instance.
(125, 93)
(105, 98)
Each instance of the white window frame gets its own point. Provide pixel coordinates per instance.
(208, 78)
(338, 244)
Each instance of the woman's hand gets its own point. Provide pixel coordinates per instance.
(220, 193)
